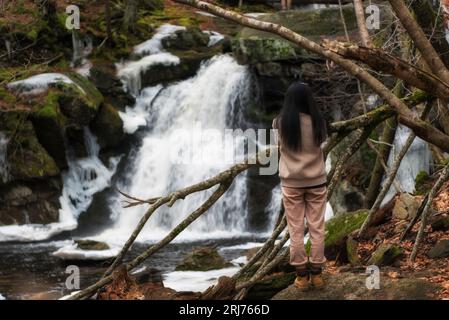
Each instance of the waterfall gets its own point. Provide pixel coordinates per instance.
(174, 116)
(151, 53)
(417, 158)
(4, 175)
(84, 178)
(82, 48)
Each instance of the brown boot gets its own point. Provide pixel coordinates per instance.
(302, 279)
(316, 277)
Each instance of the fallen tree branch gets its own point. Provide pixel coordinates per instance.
(444, 176)
(406, 116)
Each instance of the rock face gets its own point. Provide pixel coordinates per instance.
(440, 250)
(203, 259)
(406, 207)
(31, 202)
(349, 286)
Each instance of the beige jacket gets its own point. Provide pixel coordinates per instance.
(305, 167)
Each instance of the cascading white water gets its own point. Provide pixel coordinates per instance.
(84, 178)
(418, 158)
(151, 53)
(174, 119)
(3, 158)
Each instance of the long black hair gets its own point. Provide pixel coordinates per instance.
(299, 98)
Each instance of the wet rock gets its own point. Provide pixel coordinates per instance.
(26, 157)
(260, 49)
(384, 255)
(406, 207)
(350, 286)
(103, 75)
(440, 250)
(108, 126)
(188, 39)
(441, 224)
(34, 201)
(91, 245)
(203, 259)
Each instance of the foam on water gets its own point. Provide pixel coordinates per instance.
(2, 297)
(39, 83)
(196, 281)
(84, 178)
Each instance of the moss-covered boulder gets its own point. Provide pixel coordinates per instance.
(26, 157)
(107, 126)
(203, 259)
(423, 183)
(91, 245)
(256, 49)
(385, 254)
(338, 229)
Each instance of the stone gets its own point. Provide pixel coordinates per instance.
(440, 250)
(351, 286)
(27, 159)
(346, 198)
(441, 224)
(352, 252)
(406, 207)
(203, 259)
(338, 228)
(385, 254)
(35, 201)
(108, 126)
(92, 245)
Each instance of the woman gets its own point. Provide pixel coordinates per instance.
(301, 131)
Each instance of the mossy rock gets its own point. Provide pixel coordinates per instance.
(423, 183)
(337, 230)
(385, 255)
(108, 126)
(91, 245)
(26, 157)
(50, 123)
(269, 286)
(256, 49)
(203, 259)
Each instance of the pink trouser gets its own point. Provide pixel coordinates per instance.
(309, 204)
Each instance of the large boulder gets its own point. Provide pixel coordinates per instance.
(269, 286)
(30, 202)
(441, 224)
(203, 259)
(338, 229)
(25, 156)
(108, 126)
(350, 286)
(406, 206)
